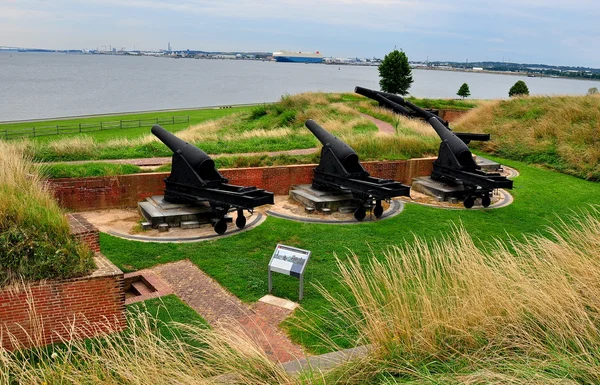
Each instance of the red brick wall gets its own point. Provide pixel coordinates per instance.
(84, 231)
(127, 190)
(41, 313)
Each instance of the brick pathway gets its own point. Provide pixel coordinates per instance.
(214, 303)
(381, 125)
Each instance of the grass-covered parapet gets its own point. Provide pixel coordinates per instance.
(559, 132)
(262, 128)
(35, 240)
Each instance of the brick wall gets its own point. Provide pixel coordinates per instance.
(42, 313)
(80, 194)
(84, 231)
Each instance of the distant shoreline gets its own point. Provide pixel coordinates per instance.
(524, 74)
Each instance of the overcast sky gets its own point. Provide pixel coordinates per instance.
(563, 32)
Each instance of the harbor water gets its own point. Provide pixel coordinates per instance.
(45, 85)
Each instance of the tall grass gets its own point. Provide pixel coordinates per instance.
(450, 312)
(35, 241)
(561, 132)
(192, 354)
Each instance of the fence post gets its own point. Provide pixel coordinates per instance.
(100, 126)
(173, 120)
(56, 129)
(156, 120)
(34, 131)
(188, 118)
(80, 128)
(139, 122)
(6, 133)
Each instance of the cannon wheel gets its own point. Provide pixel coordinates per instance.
(221, 227)
(486, 201)
(240, 221)
(378, 210)
(360, 214)
(469, 202)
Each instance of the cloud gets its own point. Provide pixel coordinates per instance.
(456, 29)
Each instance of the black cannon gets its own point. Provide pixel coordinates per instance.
(340, 169)
(455, 164)
(194, 179)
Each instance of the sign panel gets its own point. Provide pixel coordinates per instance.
(289, 260)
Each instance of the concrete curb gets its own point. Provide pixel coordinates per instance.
(395, 208)
(256, 221)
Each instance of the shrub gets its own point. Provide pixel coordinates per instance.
(518, 89)
(258, 112)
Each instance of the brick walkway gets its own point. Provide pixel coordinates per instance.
(381, 125)
(215, 304)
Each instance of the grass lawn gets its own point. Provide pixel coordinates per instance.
(165, 311)
(196, 116)
(239, 262)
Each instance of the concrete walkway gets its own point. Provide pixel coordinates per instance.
(215, 304)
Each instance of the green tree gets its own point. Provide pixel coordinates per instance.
(395, 73)
(464, 91)
(593, 91)
(519, 88)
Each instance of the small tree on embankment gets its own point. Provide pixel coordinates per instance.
(395, 73)
(464, 91)
(518, 89)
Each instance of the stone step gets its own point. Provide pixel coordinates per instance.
(141, 287)
(190, 224)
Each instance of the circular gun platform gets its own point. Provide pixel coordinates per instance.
(124, 223)
(295, 212)
(501, 198)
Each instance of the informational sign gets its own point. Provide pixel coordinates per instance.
(290, 261)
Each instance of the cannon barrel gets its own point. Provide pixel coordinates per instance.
(383, 100)
(345, 154)
(455, 144)
(197, 158)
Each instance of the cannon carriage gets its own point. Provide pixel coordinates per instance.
(194, 179)
(340, 169)
(455, 164)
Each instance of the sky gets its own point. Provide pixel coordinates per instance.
(565, 32)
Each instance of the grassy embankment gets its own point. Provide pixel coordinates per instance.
(441, 311)
(273, 127)
(562, 133)
(35, 241)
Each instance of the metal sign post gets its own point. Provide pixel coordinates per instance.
(289, 261)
